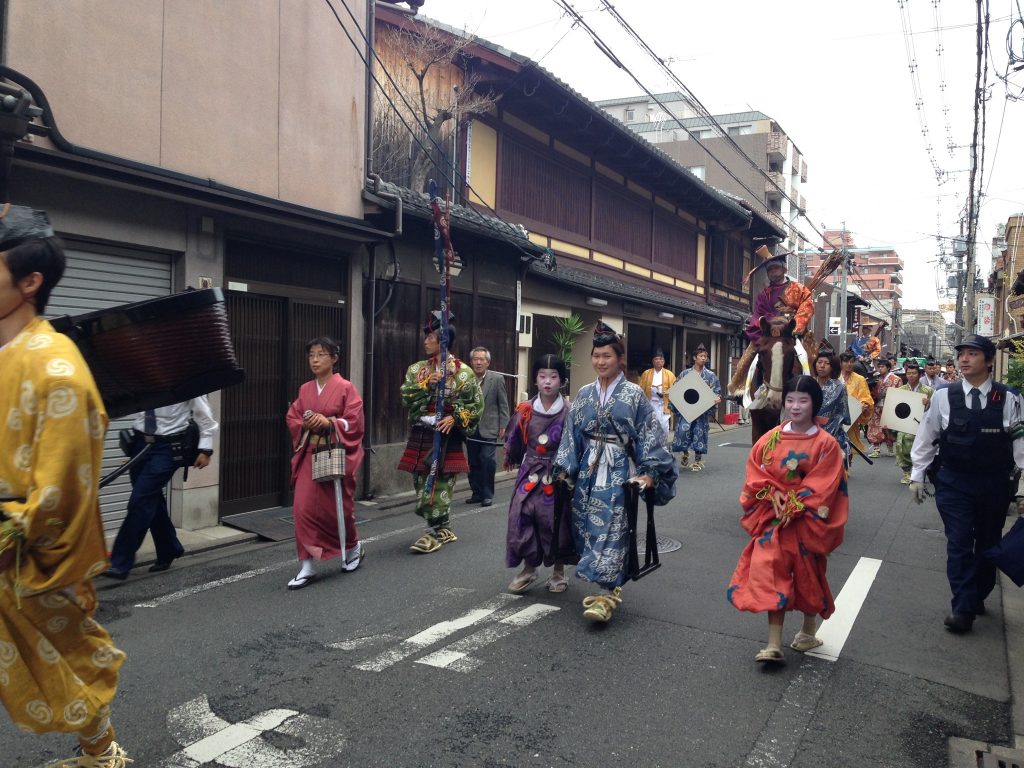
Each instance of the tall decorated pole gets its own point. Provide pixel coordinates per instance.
(444, 255)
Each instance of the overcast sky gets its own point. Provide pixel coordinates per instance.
(836, 79)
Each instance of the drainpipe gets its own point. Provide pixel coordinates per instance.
(369, 383)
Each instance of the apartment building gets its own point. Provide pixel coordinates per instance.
(773, 177)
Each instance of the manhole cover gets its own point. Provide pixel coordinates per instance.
(665, 544)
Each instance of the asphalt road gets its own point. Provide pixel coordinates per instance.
(424, 660)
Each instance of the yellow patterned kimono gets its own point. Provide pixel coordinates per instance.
(58, 667)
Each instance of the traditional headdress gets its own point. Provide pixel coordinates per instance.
(434, 323)
(700, 348)
(765, 254)
(825, 348)
(18, 224)
(604, 335)
(658, 353)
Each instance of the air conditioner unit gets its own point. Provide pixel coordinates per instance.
(526, 330)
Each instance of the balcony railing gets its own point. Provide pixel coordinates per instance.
(896, 278)
(777, 144)
(776, 177)
(803, 170)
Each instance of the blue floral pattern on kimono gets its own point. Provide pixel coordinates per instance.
(600, 467)
(694, 435)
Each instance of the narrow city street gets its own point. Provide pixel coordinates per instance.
(425, 660)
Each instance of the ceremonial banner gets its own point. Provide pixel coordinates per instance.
(903, 410)
(856, 408)
(691, 395)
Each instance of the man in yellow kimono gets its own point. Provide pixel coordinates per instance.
(857, 388)
(656, 381)
(58, 667)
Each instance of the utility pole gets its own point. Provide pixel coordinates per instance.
(974, 201)
(843, 330)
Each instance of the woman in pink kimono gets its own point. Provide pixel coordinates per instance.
(328, 402)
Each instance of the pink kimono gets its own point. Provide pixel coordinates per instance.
(316, 520)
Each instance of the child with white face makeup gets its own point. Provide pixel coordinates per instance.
(531, 441)
(795, 507)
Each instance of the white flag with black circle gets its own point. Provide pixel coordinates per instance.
(903, 410)
(856, 408)
(691, 395)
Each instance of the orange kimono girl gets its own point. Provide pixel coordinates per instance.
(794, 508)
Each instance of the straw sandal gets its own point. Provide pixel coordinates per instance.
(684, 460)
(425, 544)
(804, 642)
(698, 466)
(522, 582)
(558, 582)
(114, 757)
(600, 607)
(771, 654)
(446, 535)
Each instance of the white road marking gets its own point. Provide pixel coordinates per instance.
(457, 656)
(836, 629)
(777, 743)
(362, 642)
(433, 634)
(199, 588)
(207, 738)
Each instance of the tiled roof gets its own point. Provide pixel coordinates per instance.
(621, 289)
(697, 122)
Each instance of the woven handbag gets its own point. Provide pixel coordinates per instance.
(329, 460)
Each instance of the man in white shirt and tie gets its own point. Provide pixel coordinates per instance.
(163, 429)
(975, 429)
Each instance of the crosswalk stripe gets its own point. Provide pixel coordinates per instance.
(834, 631)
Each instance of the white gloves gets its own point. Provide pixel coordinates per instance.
(917, 489)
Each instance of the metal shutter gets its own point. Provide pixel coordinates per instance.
(95, 281)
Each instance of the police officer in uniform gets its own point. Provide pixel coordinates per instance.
(974, 426)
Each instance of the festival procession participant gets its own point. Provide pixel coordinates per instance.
(932, 376)
(328, 409)
(480, 448)
(611, 426)
(795, 507)
(164, 430)
(859, 346)
(463, 404)
(656, 381)
(877, 434)
(533, 437)
(835, 407)
(904, 440)
(695, 435)
(950, 373)
(974, 428)
(58, 667)
(857, 388)
(782, 296)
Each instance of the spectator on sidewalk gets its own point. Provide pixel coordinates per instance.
(972, 434)
(480, 445)
(172, 444)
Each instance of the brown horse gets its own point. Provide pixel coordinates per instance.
(776, 362)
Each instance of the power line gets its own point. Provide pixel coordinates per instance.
(950, 144)
(915, 82)
(702, 111)
(607, 51)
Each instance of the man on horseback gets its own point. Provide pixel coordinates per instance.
(782, 296)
